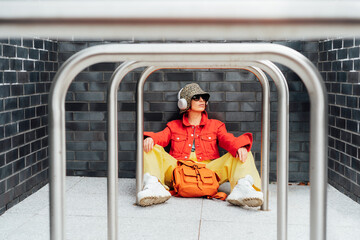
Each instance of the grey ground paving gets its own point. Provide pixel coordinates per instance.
(179, 218)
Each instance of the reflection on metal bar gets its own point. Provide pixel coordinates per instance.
(191, 53)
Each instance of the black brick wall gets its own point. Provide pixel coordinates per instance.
(26, 69)
(339, 64)
(235, 99)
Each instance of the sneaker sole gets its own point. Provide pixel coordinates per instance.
(148, 201)
(250, 202)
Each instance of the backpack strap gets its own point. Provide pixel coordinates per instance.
(174, 193)
(190, 163)
(219, 195)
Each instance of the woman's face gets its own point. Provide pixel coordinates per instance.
(198, 104)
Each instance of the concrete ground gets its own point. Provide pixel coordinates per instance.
(179, 218)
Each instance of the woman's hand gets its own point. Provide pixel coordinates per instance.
(242, 154)
(148, 144)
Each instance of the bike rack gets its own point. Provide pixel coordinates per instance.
(226, 53)
(281, 84)
(115, 81)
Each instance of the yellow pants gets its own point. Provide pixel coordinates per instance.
(161, 164)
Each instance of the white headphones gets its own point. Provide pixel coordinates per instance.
(182, 103)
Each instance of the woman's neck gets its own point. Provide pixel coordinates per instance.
(194, 117)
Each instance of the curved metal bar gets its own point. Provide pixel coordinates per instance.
(265, 133)
(122, 71)
(112, 179)
(140, 129)
(229, 53)
(283, 131)
(282, 145)
(318, 138)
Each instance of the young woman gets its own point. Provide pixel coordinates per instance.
(195, 137)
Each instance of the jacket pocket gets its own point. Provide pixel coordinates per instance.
(209, 142)
(178, 143)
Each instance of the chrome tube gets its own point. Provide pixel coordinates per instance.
(112, 179)
(265, 133)
(140, 129)
(318, 140)
(228, 53)
(282, 143)
(57, 148)
(173, 20)
(282, 146)
(114, 83)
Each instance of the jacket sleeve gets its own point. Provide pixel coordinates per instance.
(161, 138)
(231, 143)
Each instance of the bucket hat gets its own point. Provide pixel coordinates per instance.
(186, 93)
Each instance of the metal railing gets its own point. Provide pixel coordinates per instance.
(228, 54)
(263, 19)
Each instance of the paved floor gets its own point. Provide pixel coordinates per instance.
(179, 218)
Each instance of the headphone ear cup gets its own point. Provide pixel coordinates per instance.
(182, 104)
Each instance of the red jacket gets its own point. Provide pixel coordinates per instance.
(206, 135)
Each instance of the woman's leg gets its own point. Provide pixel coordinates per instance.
(243, 177)
(160, 164)
(232, 169)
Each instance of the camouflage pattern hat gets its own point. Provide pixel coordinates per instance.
(188, 92)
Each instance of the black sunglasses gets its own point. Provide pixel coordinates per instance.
(205, 97)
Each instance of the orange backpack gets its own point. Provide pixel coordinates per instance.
(192, 179)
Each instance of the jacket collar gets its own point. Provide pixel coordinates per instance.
(203, 121)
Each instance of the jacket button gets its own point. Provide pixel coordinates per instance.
(185, 156)
(192, 126)
(209, 137)
(177, 138)
(189, 145)
(200, 157)
(192, 134)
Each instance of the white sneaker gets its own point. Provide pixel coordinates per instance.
(244, 194)
(153, 193)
